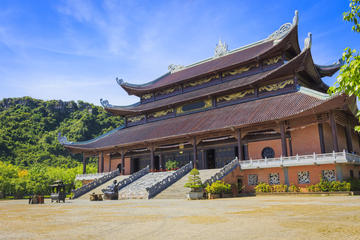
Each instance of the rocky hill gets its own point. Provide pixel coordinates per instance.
(29, 128)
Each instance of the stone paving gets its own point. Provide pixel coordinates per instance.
(266, 217)
(137, 189)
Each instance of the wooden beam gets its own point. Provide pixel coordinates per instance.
(283, 139)
(334, 132)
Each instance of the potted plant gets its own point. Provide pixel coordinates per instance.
(195, 184)
(218, 189)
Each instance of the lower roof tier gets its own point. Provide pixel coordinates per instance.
(281, 107)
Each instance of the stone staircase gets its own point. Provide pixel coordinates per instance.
(178, 191)
(137, 189)
(97, 190)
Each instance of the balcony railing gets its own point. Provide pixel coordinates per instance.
(298, 160)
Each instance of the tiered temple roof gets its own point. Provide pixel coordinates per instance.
(270, 80)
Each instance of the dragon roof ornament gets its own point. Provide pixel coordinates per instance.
(221, 49)
(119, 81)
(62, 139)
(105, 103)
(285, 28)
(308, 41)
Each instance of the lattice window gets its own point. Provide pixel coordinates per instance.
(268, 152)
(274, 178)
(252, 179)
(303, 177)
(329, 175)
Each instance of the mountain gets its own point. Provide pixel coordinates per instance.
(29, 129)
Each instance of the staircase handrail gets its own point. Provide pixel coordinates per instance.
(169, 180)
(228, 168)
(94, 184)
(123, 183)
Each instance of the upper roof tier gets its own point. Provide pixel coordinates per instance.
(284, 39)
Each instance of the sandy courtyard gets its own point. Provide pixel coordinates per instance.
(270, 217)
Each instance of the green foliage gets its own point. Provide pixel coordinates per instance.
(194, 181)
(353, 15)
(218, 187)
(354, 184)
(348, 80)
(171, 164)
(18, 182)
(326, 186)
(264, 187)
(29, 128)
(293, 188)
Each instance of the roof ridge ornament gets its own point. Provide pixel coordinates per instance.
(285, 28)
(119, 81)
(221, 49)
(105, 103)
(175, 68)
(308, 41)
(62, 139)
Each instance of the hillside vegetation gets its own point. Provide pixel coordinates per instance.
(29, 128)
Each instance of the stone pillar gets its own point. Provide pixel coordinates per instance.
(239, 145)
(283, 139)
(334, 132)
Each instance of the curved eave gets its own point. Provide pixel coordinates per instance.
(289, 42)
(328, 70)
(339, 102)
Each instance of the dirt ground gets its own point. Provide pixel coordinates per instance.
(265, 217)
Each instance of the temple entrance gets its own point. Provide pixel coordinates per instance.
(136, 164)
(156, 162)
(210, 158)
(119, 167)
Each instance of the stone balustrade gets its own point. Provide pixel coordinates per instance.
(300, 160)
(133, 177)
(90, 176)
(169, 180)
(228, 168)
(94, 184)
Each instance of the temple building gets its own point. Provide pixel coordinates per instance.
(264, 103)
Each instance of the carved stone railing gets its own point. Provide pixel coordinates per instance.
(228, 168)
(133, 177)
(94, 184)
(169, 180)
(299, 160)
(90, 176)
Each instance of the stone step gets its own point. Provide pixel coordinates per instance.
(137, 189)
(178, 191)
(104, 185)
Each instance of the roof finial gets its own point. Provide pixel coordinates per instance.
(174, 68)
(221, 49)
(62, 139)
(105, 103)
(296, 18)
(119, 81)
(308, 41)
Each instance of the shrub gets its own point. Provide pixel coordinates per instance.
(194, 181)
(218, 187)
(279, 188)
(354, 184)
(171, 164)
(293, 188)
(326, 186)
(263, 187)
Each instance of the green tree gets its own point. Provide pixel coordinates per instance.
(194, 181)
(348, 80)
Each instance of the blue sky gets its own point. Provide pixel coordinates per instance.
(74, 50)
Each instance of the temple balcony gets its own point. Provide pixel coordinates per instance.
(301, 160)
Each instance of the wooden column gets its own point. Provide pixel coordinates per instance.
(348, 139)
(283, 139)
(321, 136)
(246, 152)
(109, 163)
(84, 163)
(203, 160)
(334, 132)
(195, 152)
(161, 161)
(102, 161)
(123, 163)
(152, 160)
(239, 145)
